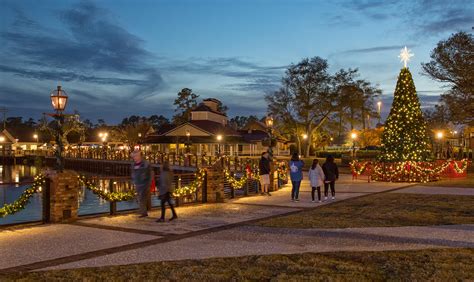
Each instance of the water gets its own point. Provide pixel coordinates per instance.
(89, 203)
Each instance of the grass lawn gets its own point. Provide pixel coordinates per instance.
(385, 209)
(439, 265)
(466, 182)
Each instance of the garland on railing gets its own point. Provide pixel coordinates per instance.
(282, 172)
(24, 198)
(237, 184)
(106, 195)
(359, 168)
(410, 171)
(192, 187)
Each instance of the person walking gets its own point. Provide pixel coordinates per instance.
(331, 174)
(296, 175)
(316, 179)
(166, 190)
(142, 175)
(264, 172)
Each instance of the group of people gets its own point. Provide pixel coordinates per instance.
(325, 175)
(142, 178)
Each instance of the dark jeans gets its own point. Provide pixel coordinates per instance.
(295, 190)
(319, 192)
(143, 201)
(166, 198)
(326, 188)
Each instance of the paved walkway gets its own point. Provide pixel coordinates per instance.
(213, 230)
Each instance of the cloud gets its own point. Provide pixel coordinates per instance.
(87, 42)
(67, 76)
(256, 77)
(425, 17)
(374, 49)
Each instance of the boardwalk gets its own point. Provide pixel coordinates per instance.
(217, 230)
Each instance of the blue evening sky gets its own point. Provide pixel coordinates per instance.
(121, 57)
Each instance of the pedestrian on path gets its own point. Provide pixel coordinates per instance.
(166, 191)
(264, 171)
(296, 175)
(331, 174)
(316, 179)
(142, 175)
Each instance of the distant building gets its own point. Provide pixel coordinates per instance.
(208, 133)
(16, 142)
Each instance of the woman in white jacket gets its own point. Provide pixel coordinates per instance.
(316, 178)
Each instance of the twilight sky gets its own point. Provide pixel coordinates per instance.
(116, 58)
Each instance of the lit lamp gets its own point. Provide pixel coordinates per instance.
(379, 107)
(188, 142)
(439, 136)
(269, 123)
(35, 136)
(2, 140)
(219, 139)
(103, 136)
(59, 101)
(353, 137)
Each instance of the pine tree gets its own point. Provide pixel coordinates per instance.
(404, 137)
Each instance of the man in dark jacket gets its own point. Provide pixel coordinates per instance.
(331, 174)
(264, 172)
(142, 174)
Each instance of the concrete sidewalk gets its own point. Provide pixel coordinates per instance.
(207, 231)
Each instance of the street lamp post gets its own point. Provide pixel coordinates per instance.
(188, 141)
(379, 107)
(103, 136)
(439, 136)
(353, 137)
(219, 139)
(35, 136)
(59, 100)
(305, 137)
(2, 141)
(269, 123)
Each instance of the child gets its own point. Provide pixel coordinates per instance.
(316, 178)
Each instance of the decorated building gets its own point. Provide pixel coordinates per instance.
(15, 142)
(208, 133)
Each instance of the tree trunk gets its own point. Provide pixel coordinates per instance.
(363, 118)
(309, 131)
(299, 144)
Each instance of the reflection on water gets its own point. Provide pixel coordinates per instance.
(17, 173)
(89, 203)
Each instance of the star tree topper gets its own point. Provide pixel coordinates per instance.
(405, 55)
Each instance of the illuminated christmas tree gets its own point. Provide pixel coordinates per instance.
(404, 137)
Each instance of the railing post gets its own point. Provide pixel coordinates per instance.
(232, 190)
(113, 205)
(204, 187)
(47, 201)
(246, 190)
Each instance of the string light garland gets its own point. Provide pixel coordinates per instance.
(24, 199)
(237, 184)
(409, 171)
(282, 172)
(192, 187)
(106, 195)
